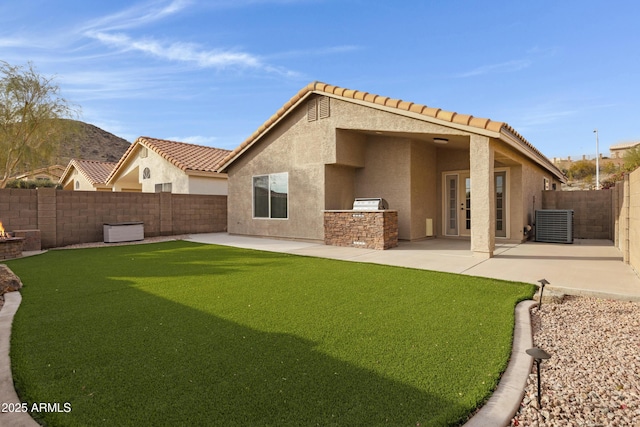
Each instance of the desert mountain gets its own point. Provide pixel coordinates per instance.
(89, 142)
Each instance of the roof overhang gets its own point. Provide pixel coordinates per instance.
(452, 120)
(124, 161)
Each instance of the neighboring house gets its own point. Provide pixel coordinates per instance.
(86, 175)
(50, 173)
(469, 177)
(618, 150)
(155, 165)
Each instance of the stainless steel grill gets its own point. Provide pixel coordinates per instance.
(370, 204)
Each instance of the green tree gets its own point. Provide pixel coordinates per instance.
(31, 129)
(582, 170)
(632, 158)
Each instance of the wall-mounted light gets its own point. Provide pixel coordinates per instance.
(440, 140)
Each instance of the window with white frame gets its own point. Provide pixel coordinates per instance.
(271, 196)
(163, 188)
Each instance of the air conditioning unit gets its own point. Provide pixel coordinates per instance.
(554, 226)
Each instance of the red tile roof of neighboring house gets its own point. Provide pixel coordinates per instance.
(95, 171)
(186, 157)
(397, 104)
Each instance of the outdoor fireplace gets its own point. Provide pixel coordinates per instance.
(10, 246)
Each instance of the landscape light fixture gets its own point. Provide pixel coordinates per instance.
(538, 355)
(542, 283)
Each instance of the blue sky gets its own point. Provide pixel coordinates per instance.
(211, 72)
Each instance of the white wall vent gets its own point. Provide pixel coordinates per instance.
(144, 152)
(554, 226)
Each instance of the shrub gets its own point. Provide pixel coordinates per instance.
(581, 169)
(32, 184)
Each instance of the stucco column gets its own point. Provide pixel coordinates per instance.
(482, 197)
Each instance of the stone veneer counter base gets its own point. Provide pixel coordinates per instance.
(376, 229)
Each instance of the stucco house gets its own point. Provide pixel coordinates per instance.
(461, 176)
(155, 165)
(86, 175)
(618, 150)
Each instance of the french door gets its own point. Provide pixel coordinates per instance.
(457, 195)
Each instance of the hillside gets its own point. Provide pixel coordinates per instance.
(92, 143)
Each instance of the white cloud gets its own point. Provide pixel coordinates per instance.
(183, 52)
(104, 31)
(331, 50)
(136, 16)
(13, 42)
(503, 67)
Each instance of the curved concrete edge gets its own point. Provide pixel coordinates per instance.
(506, 399)
(8, 393)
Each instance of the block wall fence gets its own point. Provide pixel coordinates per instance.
(612, 214)
(592, 211)
(71, 217)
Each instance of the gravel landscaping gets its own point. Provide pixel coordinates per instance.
(593, 376)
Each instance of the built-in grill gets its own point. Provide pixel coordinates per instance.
(370, 204)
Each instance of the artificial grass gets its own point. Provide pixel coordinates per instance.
(180, 333)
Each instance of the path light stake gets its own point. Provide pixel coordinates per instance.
(538, 355)
(542, 283)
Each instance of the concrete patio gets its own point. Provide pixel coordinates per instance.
(586, 267)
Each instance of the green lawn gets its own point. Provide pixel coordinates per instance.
(180, 333)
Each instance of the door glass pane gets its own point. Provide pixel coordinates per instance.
(467, 184)
(500, 181)
(451, 205)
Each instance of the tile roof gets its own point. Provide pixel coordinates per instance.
(397, 104)
(95, 171)
(186, 157)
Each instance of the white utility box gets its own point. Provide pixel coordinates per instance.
(123, 232)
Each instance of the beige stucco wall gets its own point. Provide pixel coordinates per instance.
(294, 146)
(527, 184)
(424, 185)
(388, 175)
(215, 185)
(633, 231)
(340, 184)
(75, 177)
(161, 172)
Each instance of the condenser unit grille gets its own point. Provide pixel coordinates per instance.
(554, 226)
